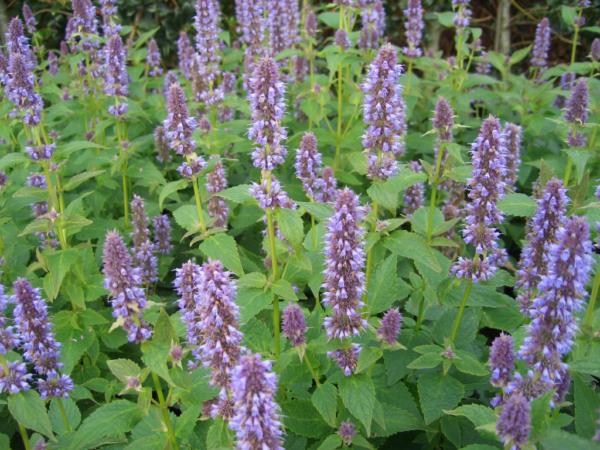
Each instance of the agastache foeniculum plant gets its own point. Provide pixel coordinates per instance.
(260, 224)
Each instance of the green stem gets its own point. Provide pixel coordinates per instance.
(408, 76)
(461, 311)
(165, 412)
(24, 437)
(338, 135)
(198, 204)
(313, 232)
(589, 314)
(124, 168)
(568, 171)
(420, 313)
(274, 266)
(311, 369)
(63, 413)
(576, 36)
(375, 208)
(434, 189)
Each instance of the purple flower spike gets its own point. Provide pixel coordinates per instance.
(549, 217)
(208, 43)
(389, 328)
(116, 80)
(185, 54)
(283, 20)
(192, 168)
(123, 281)
(311, 25)
(52, 63)
(37, 339)
(30, 21)
(560, 296)
(139, 219)
(267, 102)
(462, 16)
(153, 59)
(512, 137)
(414, 196)
(373, 25)
(443, 123)
(341, 39)
(178, 125)
(595, 50)
(216, 181)
(328, 186)
(567, 80)
(514, 423)
(161, 145)
(162, 234)
(346, 358)
(541, 46)
(414, 28)
(108, 9)
(14, 377)
(383, 110)
(308, 164)
(577, 113)
(219, 322)
(256, 420)
(502, 360)
(345, 260)
(486, 187)
(347, 432)
(8, 338)
(294, 325)
(20, 89)
(84, 24)
(147, 262)
(187, 284)
(275, 197)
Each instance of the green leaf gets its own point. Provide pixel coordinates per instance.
(383, 288)
(587, 403)
(59, 263)
(224, 248)
(237, 194)
(12, 160)
(568, 14)
(519, 55)
(283, 288)
(57, 419)
(169, 189)
(561, 440)
(437, 393)
(81, 178)
(64, 151)
(318, 210)
(540, 412)
(291, 225)
(587, 366)
(519, 205)
(324, 399)
(478, 414)
(358, 396)
(331, 442)
(218, 436)
(465, 363)
(112, 419)
(30, 411)
(413, 246)
(446, 18)
(426, 361)
(123, 369)
(186, 217)
(252, 301)
(302, 418)
(331, 19)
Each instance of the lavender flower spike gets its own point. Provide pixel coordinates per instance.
(390, 326)
(344, 276)
(346, 358)
(541, 44)
(14, 377)
(462, 16)
(37, 339)
(383, 111)
(414, 28)
(162, 234)
(123, 281)
(347, 431)
(443, 123)
(414, 196)
(108, 9)
(256, 419)
(512, 137)
(577, 113)
(20, 90)
(282, 24)
(178, 125)
(161, 145)
(141, 232)
(30, 21)
(514, 423)
(267, 102)
(8, 337)
(187, 284)
(216, 182)
(373, 25)
(206, 23)
(308, 165)
(502, 360)
(486, 187)
(116, 80)
(294, 324)
(541, 233)
(561, 292)
(185, 54)
(153, 59)
(219, 322)
(147, 262)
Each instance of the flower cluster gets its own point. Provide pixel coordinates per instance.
(20, 89)
(82, 27)
(294, 324)
(541, 46)
(206, 23)
(30, 21)
(389, 328)
(346, 358)
(185, 54)
(162, 234)
(271, 197)
(486, 187)
(123, 281)
(116, 80)
(267, 96)
(541, 232)
(462, 16)
(153, 59)
(514, 423)
(283, 20)
(187, 285)
(560, 295)
(318, 183)
(178, 125)
(37, 340)
(108, 9)
(216, 182)
(502, 360)
(576, 113)
(373, 25)
(512, 137)
(256, 419)
(344, 263)
(383, 110)
(414, 28)
(414, 196)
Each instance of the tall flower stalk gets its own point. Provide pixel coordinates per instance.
(576, 115)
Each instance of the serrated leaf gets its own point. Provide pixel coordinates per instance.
(478, 414)
(283, 289)
(123, 369)
(237, 194)
(301, 417)
(71, 411)
(324, 399)
(223, 248)
(358, 395)
(30, 411)
(81, 178)
(465, 363)
(437, 393)
(413, 246)
(426, 361)
(383, 287)
(331, 442)
(170, 188)
(519, 205)
(291, 225)
(186, 217)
